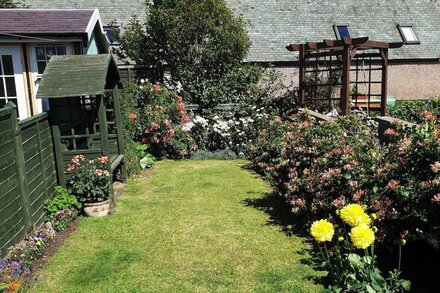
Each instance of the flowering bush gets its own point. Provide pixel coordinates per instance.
(410, 110)
(351, 270)
(233, 129)
(325, 165)
(89, 180)
(27, 250)
(161, 122)
(408, 181)
(14, 276)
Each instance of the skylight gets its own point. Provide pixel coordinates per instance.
(408, 34)
(341, 31)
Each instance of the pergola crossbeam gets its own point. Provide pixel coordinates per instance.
(346, 52)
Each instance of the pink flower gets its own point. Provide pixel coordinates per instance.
(428, 116)
(435, 167)
(98, 172)
(340, 201)
(144, 140)
(70, 167)
(436, 198)
(132, 116)
(391, 131)
(185, 120)
(156, 139)
(393, 184)
(171, 132)
(157, 87)
(154, 126)
(103, 160)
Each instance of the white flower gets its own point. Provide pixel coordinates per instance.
(141, 87)
(142, 80)
(188, 126)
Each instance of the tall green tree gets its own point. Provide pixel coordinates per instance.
(8, 4)
(200, 42)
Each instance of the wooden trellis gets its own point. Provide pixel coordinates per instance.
(335, 60)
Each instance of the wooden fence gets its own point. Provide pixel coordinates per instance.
(27, 174)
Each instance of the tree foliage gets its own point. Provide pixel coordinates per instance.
(7, 4)
(200, 42)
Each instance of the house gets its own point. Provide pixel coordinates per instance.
(30, 37)
(273, 24)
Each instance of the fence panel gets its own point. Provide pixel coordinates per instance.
(27, 174)
(12, 219)
(39, 163)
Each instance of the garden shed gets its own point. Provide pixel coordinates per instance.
(82, 93)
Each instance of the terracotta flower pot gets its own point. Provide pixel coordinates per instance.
(97, 209)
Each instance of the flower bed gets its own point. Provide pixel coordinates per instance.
(321, 166)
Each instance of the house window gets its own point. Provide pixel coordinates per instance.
(341, 31)
(44, 53)
(408, 34)
(8, 92)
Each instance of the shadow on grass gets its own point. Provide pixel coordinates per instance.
(280, 214)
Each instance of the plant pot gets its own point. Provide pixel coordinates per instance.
(97, 209)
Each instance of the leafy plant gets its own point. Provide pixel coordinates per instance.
(60, 201)
(409, 110)
(89, 180)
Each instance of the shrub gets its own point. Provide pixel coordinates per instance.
(409, 181)
(161, 121)
(216, 155)
(201, 43)
(325, 165)
(129, 115)
(89, 180)
(410, 110)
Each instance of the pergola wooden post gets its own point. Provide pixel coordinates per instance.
(347, 51)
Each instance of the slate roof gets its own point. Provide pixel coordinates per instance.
(47, 22)
(119, 10)
(273, 24)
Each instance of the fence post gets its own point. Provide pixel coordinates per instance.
(40, 152)
(21, 169)
(58, 154)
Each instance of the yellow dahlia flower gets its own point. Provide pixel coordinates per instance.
(354, 215)
(362, 236)
(322, 230)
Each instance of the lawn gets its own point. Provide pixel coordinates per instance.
(187, 227)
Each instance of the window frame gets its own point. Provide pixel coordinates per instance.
(336, 30)
(111, 27)
(403, 36)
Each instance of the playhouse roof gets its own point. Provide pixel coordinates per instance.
(78, 75)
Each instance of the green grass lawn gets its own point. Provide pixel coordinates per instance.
(185, 228)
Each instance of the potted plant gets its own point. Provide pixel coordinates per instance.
(89, 181)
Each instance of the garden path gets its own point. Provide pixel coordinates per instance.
(186, 226)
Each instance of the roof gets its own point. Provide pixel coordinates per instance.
(78, 75)
(46, 22)
(273, 24)
(121, 11)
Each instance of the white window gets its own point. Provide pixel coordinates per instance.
(408, 34)
(11, 80)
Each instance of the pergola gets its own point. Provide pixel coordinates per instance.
(336, 59)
